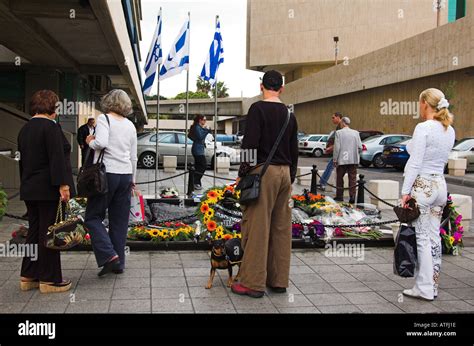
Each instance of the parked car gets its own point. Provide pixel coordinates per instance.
(301, 135)
(313, 145)
(372, 149)
(227, 139)
(364, 134)
(464, 149)
(396, 155)
(172, 143)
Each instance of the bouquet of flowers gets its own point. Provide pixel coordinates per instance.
(452, 233)
(171, 232)
(220, 214)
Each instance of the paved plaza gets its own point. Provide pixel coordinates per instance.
(173, 282)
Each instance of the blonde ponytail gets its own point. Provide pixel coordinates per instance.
(436, 100)
(444, 117)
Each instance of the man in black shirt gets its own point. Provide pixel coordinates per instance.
(266, 223)
(82, 133)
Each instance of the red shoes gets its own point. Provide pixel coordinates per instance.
(240, 289)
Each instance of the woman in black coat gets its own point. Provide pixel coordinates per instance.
(46, 177)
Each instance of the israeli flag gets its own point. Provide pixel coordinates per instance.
(153, 59)
(178, 58)
(215, 57)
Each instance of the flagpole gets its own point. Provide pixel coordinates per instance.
(187, 111)
(157, 160)
(215, 121)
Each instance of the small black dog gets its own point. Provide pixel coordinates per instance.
(225, 255)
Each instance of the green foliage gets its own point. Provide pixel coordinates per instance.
(450, 92)
(154, 97)
(3, 203)
(192, 95)
(222, 90)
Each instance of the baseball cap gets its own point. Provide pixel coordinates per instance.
(90, 117)
(272, 80)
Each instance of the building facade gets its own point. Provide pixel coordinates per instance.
(387, 52)
(79, 49)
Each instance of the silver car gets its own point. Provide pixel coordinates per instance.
(172, 143)
(372, 149)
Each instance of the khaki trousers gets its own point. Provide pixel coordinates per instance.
(266, 232)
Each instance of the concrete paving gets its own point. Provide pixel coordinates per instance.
(173, 282)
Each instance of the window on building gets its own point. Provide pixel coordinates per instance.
(456, 10)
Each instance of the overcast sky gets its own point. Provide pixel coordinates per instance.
(233, 17)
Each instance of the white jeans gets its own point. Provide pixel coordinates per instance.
(430, 193)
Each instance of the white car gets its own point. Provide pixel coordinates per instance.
(172, 143)
(313, 145)
(464, 149)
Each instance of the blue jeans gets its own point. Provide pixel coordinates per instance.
(105, 244)
(327, 173)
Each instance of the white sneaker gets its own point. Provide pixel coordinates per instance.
(415, 294)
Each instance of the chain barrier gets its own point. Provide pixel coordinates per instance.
(164, 179)
(13, 196)
(16, 217)
(378, 198)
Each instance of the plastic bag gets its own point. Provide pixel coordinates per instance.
(137, 208)
(405, 254)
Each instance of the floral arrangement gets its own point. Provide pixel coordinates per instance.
(214, 204)
(451, 236)
(314, 229)
(3, 203)
(172, 232)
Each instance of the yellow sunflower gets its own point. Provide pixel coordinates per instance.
(210, 213)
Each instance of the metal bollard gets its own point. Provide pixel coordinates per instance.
(360, 191)
(190, 179)
(314, 180)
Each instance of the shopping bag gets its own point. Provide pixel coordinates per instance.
(137, 207)
(405, 254)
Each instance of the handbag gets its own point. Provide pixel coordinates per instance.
(92, 180)
(407, 215)
(405, 256)
(249, 185)
(65, 233)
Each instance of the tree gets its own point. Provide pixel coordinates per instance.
(192, 95)
(203, 85)
(222, 90)
(154, 97)
(206, 87)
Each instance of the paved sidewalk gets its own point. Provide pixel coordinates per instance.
(173, 282)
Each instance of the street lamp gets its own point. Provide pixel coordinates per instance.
(336, 48)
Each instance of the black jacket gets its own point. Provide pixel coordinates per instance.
(44, 161)
(82, 134)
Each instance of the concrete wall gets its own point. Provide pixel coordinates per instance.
(364, 107)
(283, 33)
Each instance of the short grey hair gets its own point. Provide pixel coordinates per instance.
(117, 101)
(346, 120)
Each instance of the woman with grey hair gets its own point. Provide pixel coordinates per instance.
(117, 136)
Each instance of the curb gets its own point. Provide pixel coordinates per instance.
(459, 181)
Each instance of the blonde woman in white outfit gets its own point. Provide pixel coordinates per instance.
(429, 148)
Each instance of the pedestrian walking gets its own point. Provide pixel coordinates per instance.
(336, 120)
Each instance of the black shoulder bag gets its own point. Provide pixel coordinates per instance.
(92, 180)
(249, 185)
